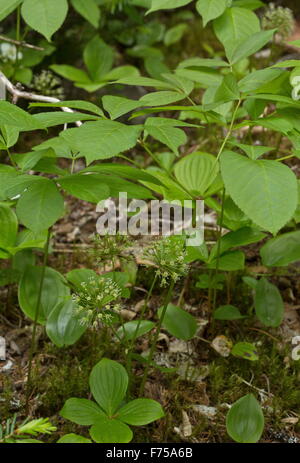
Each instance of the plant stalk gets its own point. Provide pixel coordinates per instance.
(158, 329)
(36, 317)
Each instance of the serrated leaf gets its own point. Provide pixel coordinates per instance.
(40, 206)
(251, 45)
(7, 7)
(101, 139)
(88, 9)
(117, 106)
(211, 9)
(160, 98)
(71, 73)
(45, 16)
(98, 58)
(75, 104)
(234, 26)
(264, 190)
(167, 4)
(245, 420)
(86, 187)
(12, 115)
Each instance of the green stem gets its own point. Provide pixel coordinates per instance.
(218, 250)
(153, 346)
(36, 317)
(131, 344)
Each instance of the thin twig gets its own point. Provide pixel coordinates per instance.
(17, 93)
(20, 43)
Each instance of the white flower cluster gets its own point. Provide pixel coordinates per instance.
(46, 83)
(97, 301)
(168, 255)
(107, 248)
(280, 18)
(9, 52)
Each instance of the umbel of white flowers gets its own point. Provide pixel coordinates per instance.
(96, 301)
(168, 255)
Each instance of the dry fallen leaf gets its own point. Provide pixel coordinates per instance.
(222, 345)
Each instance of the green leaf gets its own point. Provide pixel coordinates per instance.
(81, 411)
(144, 82)
(228, 89)
(178, 322)
(98, 58)
(108, 383)
(86, 187)
(227, 312)
(110, 431)
(162, 130)
(7, 7)
(229, 262)
(53, 118)
(45, 16)
(80, 275)
(63, 328)
(245, 350)
(241, 237)
(117, 106)
(55, 291)
(174, 34)
(282, 250)
(235, 26)
(40, 206)
(253, 151)
(140, 412)
(254, 80)
(264, 190)
(75, 104)
(12, 115)
(88, 9)
(160, 98)
(268, 303)
(101, 139)
(73, 439)
(196, 172)
(245, 420)
(211, 9)
(8, 226)
(128, 330)
(251, 45)
(123, 171)
(167, 4)
(202, 62)
(70, 72)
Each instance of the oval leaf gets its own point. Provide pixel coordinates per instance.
(268, 303)
(108, 383)
(245, 420)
